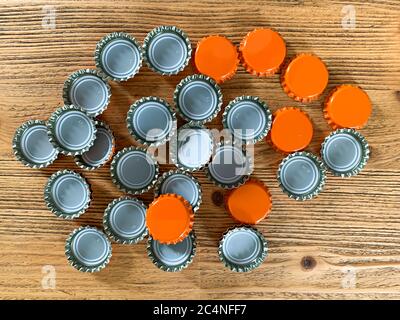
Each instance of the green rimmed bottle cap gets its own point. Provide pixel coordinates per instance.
(230, 167)
(125, 171)
(88, 249)
(181, 183)
(167, 50)
(193, 147)
(247, 118)
(119, 56)
(101, 151)
(172, 257)
(124, 220)
(301, 175)
(198, 98)
(31, 145)
(151, 121)
(71, 130)
(345, 152)
(87, 89)
(67, 194)
(242, 249)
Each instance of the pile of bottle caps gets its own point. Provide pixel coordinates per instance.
(168, 221)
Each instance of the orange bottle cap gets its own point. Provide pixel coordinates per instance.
(347, 106)
(263, 52)
(305, 77)
(249, 203)
(216, 57)
(291, 130)
(169, 218)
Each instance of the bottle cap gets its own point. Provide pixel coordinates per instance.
(71, 130)
(305, 77)
(150, 121)
(102, 150)
(31, 145)
(347, 106)
(86, 89)
(124, 220)
(119, 56)
(250, 203)
(216, 57)
(198, 98)
(247, 118)
(169, 218)
(167, 50)
(345, 152)
(229, 167)
(193, 148)
(301, 175)
(125, 173)
(262, 52)
(242, 249)
(67, 194)
(181, 183)
(291, 130)
(172, 257)
(88, 249)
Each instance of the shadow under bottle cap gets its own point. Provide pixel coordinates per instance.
(119, 56)
(172, 257)
(181, 183)
(134, 170)
(242, 249)
(101, 151)
(150, 121)
(198, 98)
(71, 130)
(301, 175)
(67, 194)
(124, 220)
(247, 118)
(86, 89)
(345, 152)
(167, 50)
(31, 145)
(88, 249)
(230, 167)
(193, 148)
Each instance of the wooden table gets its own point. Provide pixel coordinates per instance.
(343, 244)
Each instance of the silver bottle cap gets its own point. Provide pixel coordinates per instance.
(71, 130)
(193, 147)
(134, 170)
(88, 249)
(101, 151)
(167, 50)
(31, 145)
(230, 167)
(242, 249)
(345, 152)
(67, 194)
(150, 121)
(301, 175)
(124, 220)
(181, 183)
(247, 118)
(86, 89)
(172, 257)
(198, 98)
(119, 56)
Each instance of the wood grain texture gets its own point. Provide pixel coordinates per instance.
(343, 244)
